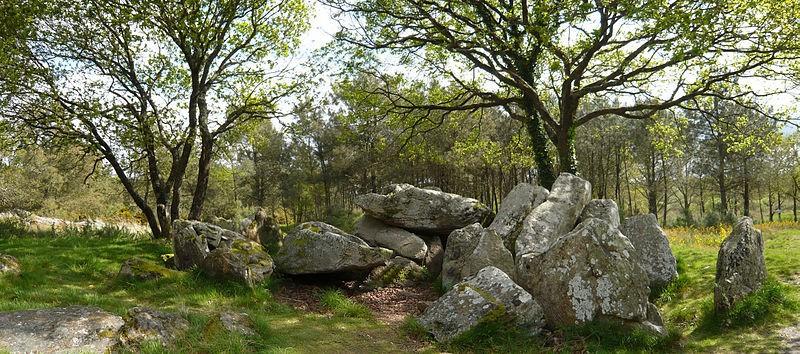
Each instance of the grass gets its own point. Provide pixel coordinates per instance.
(79, 268)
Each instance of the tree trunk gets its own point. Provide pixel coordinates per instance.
(723, 189)
(204, 163)
(541, 154)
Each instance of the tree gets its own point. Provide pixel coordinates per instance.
(543, 59)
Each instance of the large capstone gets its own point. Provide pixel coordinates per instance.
(740, 265)
(513, 210)
(603, 209)
(652, 248)
(245, 262)
(193, 240)
(471, 249)
(423, 210)
(403, 242)
(490, 294)
(555, 217)
(587, 274)
(59, 330)
(261, 227)
(318, 248)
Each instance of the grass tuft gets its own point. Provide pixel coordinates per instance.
(412, 328)
(768, 302)
(603, 335)
(335, 301)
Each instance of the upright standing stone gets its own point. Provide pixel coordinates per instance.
(740, 265)
(471, 249)
(603, 209)
(556, 216)
(513, 210)
(652, 248)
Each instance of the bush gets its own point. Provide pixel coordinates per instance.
(341, 306)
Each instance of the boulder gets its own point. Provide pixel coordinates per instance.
(318, 248)
(404, 243)
(488, 295)
(140, 269)
(262, 227)
(603, 209)
(555, 217)
(652, 248)
(423, 210)
(245, 262)
(471, 249)
(435, 257)
(9, 265)
(59, 330)
(587, 274)
(513, 210)
(232, 322)
(147, 325)
(398, 271)
(740, 265)
(193, 240)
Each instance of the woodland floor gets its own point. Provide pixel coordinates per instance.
(293, 316)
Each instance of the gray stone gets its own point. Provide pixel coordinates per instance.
(435, 257)
(9, 265)
(318, 248)
(555, 217)
(262, 227)
(193, 240)
(245, 262)
(403, 242)
(147, 325)
(603, 209)
(490, 294)
(140, 269)
(398, 271)
(652, 248)
(587, 274)
(423, 210)
(740, 265)
(235, 322)
(471, 249)
(59, 330)
(513, 210)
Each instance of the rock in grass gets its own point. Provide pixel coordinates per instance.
(59, 330)
(555, 217)
(261, 227)
(522, 199)
(140, 269)
(143, 324)
(193, 240)
(487, 296)
(231, 322)
(403, 242)
(471, 249)
(740, 265)
(652, 249)
(9, 265)
(245, 262)
(423, 210)
(318, 248)
(398, 271)
(603, 209)
(589, 273)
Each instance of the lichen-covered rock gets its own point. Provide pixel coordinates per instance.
(403, 242)
(140, 269)
(423, 210)
(740, 265)
(587, 274)
(513, 210)
(245, 262)
(9, 265)
(398, 271)
(471, 249)
(435, 257)
(488, 295)
(603, 209)
(262, 227)
(318, 248)
(59, 330)
(193, 240)
(147, 325)
(652, 248)
(555, 217)
(231, 322)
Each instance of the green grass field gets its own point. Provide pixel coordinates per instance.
(80, 269)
